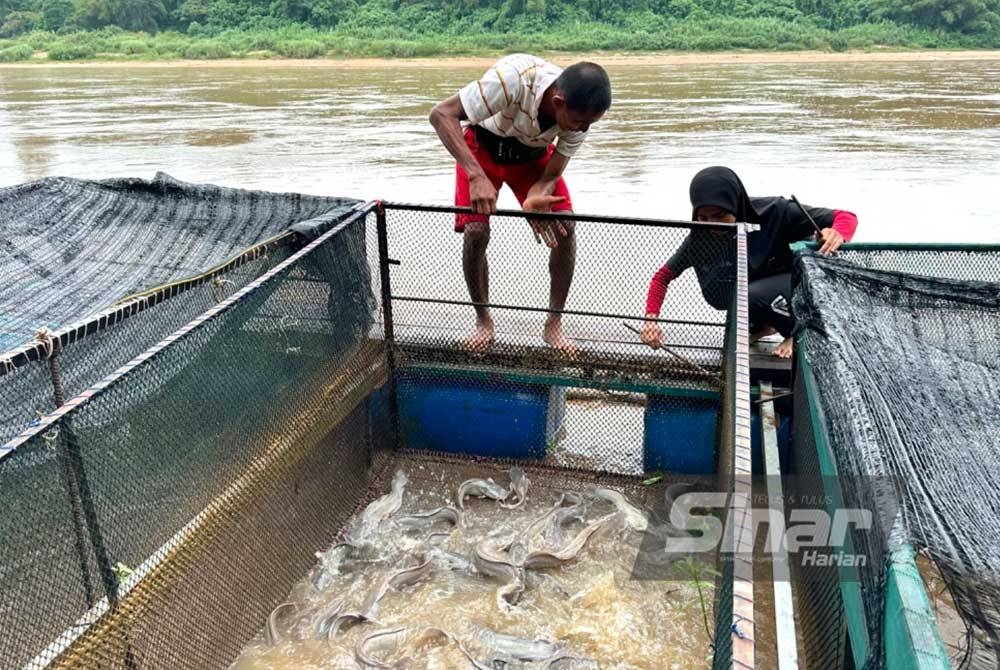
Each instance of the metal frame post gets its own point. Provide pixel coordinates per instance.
(384, 262)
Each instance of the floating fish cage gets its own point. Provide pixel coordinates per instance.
(160, 516)
(183, 472)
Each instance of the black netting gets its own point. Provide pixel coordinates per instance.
(72, 249)
(99, 346)
(907, 372)
(204, 470)
(819, 609)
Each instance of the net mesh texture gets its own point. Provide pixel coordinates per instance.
(907, 377)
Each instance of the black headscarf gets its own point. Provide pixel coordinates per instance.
(719, 186)
(781, 221)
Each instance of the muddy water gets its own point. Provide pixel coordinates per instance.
(911, 147)
(593, 606)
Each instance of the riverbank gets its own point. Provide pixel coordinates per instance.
(690, 37)
(604, 57)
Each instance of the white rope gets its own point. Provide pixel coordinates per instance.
(44, 337)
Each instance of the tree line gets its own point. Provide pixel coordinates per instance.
(970, 22)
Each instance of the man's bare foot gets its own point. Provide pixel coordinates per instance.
(482, 339)
(763, 332)
(785, 349)
(552, 334)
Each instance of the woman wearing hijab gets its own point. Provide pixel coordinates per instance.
(718, 195)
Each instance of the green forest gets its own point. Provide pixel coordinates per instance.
(62, 30)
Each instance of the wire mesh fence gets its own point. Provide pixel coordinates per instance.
(594, 393)
(155, 519)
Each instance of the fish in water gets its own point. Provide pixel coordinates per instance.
(326, 619)
(634, 517)
(551, 559)
(489, 559)
(380, 642)
(480, 488)
(450, 560)
(391, 640)
(271, 630)
(397, 580)
(377, 512)
(569, 505)
(518, 487)
(505, 648)
(419, 520)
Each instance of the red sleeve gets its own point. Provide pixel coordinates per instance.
(845, 223)
(658, 289)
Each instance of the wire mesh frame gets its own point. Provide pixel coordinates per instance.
(680, 353)
(597, 399)
(81, 500)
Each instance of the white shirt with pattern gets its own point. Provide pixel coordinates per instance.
(505, 102)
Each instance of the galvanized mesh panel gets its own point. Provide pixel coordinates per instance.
(204, 467)
(601, 392)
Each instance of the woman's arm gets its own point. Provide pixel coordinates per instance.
(841, 231)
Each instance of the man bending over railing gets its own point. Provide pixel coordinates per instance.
(514, 113)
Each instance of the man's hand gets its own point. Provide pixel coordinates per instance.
(545, 231)
(651, 333)
(830, 239)
(482, 194)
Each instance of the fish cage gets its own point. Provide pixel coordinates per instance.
(158, 516)
(896, 413)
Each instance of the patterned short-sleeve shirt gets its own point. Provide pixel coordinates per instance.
(505, 102)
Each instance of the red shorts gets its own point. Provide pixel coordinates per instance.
(520, 177)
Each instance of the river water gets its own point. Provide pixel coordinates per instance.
(912, 147)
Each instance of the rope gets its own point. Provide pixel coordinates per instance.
(220, 283)
(246, 253)
(44, 338)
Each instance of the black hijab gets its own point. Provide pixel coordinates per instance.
(720, 187)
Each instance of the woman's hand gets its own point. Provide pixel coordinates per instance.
(651, 333)
(830, 239)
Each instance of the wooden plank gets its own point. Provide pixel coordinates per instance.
(784, 614)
